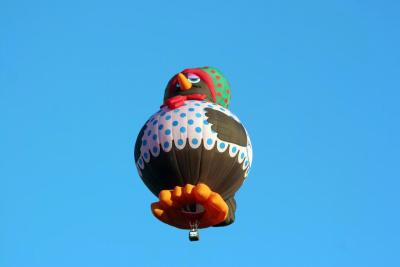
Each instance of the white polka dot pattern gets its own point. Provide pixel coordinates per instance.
(188, 125)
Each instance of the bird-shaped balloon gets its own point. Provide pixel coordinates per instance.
(194, 153)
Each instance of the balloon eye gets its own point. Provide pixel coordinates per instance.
(177, 85)
(194, 80)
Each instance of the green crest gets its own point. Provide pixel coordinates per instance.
(221, 86)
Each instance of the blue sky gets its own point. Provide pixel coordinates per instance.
(316, 84)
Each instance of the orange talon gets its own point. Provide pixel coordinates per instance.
(187, 192)
(201, 193)
(165, 198)
(159, 212)
(177, 196)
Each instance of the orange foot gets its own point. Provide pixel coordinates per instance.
(172, 207)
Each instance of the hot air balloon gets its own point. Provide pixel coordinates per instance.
(194, 153)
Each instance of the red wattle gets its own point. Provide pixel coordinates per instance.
(179, 100)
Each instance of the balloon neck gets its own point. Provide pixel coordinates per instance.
(193, 211)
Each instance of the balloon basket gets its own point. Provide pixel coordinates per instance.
(194, 235)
